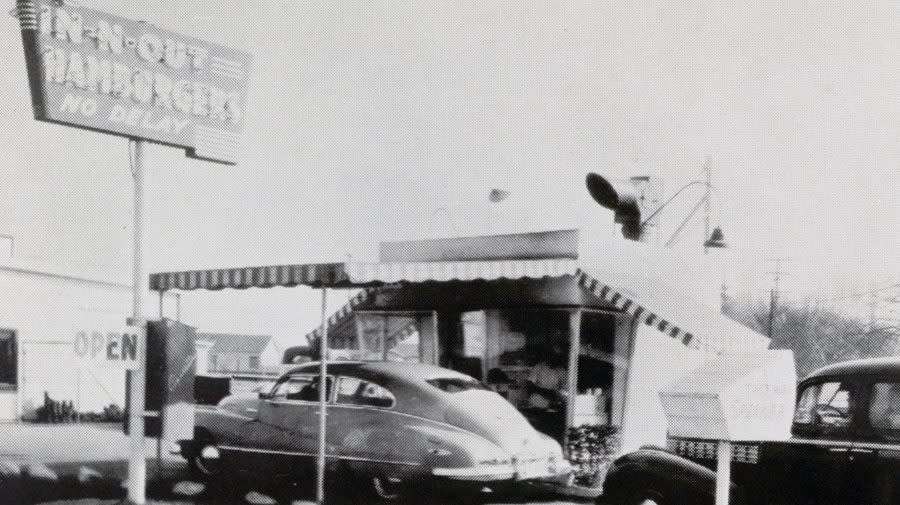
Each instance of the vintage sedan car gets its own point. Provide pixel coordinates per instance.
(392, 424)
(844, 449)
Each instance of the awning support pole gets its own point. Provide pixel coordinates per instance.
(323, 400)
(572, 383)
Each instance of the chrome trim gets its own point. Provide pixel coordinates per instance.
(821, 442)
(309, 454)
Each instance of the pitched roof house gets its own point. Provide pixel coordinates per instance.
(239, 353)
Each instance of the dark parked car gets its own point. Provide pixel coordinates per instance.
(389, 423)
(844, 449)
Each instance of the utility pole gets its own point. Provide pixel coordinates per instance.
(775, 293)
(707, 168)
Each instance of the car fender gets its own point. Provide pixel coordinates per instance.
(668, 474)
(225, 426)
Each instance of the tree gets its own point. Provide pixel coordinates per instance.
(817, 334)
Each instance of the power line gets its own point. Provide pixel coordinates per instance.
(862, 294)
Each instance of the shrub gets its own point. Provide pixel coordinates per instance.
(591, 449)
(55, 411)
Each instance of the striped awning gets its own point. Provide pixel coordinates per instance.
(314, 275)
(443, 271)
(648, 298)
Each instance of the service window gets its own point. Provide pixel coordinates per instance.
(884, 409)
(299, 387)
(8, 360)
(353, 391)
(827, 405)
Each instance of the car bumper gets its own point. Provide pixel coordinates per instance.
(554, 471)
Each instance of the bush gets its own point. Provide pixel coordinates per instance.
(591, 450)
(55, 411)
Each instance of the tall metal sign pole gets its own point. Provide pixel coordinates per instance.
(137, 461)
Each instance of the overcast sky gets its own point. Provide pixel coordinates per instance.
(371, 120)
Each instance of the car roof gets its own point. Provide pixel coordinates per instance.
(404, 370)
(871, 366)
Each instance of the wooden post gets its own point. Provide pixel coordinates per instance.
(382, 347)
(723, 472)
(436, 348)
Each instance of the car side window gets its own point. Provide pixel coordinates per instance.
(884, 409)
(825, 405)
(299, 387)
(354, 391)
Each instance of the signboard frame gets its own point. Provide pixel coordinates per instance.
(101, 72)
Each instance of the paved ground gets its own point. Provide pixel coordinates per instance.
(86, 464)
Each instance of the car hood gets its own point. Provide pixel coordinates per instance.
(489, 415)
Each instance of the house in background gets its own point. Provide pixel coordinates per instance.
(239, 353)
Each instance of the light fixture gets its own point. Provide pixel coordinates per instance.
(497, 195)
(716, 239)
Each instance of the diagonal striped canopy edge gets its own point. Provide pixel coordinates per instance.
(641, 314)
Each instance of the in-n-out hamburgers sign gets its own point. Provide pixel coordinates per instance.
(103, 72)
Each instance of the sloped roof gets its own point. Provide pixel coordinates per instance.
(229, 342)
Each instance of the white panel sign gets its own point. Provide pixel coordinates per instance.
(109, 348)
(734, 397)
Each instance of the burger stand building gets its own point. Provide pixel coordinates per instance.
(622, 319)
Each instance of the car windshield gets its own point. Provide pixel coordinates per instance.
(457, 384)
(826, 405)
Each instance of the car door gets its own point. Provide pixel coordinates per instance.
(363, 427)
(287, 431)
(875, 457)
(818, 461)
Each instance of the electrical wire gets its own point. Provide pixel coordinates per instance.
(685, 222)
(864, 293)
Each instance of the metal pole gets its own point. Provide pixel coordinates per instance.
(137, 464)
(723, 472)
(323, 401)
(572, 382)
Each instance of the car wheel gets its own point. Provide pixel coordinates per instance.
(206, 459)
(647, 497)
(385, 488)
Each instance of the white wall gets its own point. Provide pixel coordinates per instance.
(46, 311)
(657, 361)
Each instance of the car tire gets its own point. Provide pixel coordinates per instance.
(647, 497)
(383, 489)
(201, 461)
